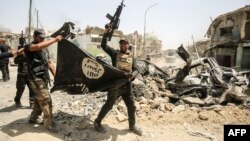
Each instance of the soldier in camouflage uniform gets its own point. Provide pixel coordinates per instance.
(124, 61)
(38, 65)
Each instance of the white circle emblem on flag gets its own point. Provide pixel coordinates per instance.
(92, 69)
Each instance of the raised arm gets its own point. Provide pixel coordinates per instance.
(45, 44)
(110, 51)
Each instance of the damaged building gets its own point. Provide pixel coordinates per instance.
(230, 39)
(152, 44)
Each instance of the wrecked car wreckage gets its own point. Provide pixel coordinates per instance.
(202, 78)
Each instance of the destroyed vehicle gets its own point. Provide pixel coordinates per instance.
(204, 77)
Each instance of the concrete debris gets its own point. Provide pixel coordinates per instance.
(169, 107)
(224, 98)
(140, 89)
(236, 92)
(209, 100)
(179, 109)
(159, 82)
(201, 82)
(162, 107)
(193, 100)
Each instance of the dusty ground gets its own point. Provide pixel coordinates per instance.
(156, 125)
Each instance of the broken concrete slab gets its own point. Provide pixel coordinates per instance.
(193, 100)
(236, 92)
(179, 108)
(209, 100)
(224, 98)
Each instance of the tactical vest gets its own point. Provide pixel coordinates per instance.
(38, 64)
(124, 62)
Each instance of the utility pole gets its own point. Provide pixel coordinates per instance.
(144, 33)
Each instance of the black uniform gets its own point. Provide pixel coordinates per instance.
(125, 91)
(4, 63)
(22, 80)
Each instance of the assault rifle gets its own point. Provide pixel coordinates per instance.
(20, 59)
(114, 20)
(22, 41)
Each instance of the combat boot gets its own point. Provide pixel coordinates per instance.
(136, 130)
(99, 128)
(18, 104)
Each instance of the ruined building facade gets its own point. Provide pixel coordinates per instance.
(91, 37)
(230, 39)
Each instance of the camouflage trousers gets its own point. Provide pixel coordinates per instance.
(125, 92)
(42, 103)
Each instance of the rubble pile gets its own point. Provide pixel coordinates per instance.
(199, 83)
(152, 96)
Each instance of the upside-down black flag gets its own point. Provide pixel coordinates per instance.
(78, 72)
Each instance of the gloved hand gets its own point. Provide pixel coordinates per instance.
(59, 38)
(107, 27)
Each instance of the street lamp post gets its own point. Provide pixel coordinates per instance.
(144, 34)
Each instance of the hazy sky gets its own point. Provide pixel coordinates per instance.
(173, 21)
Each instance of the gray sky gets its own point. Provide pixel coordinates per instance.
(173, 21)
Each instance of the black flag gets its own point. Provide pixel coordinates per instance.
(78, 72)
